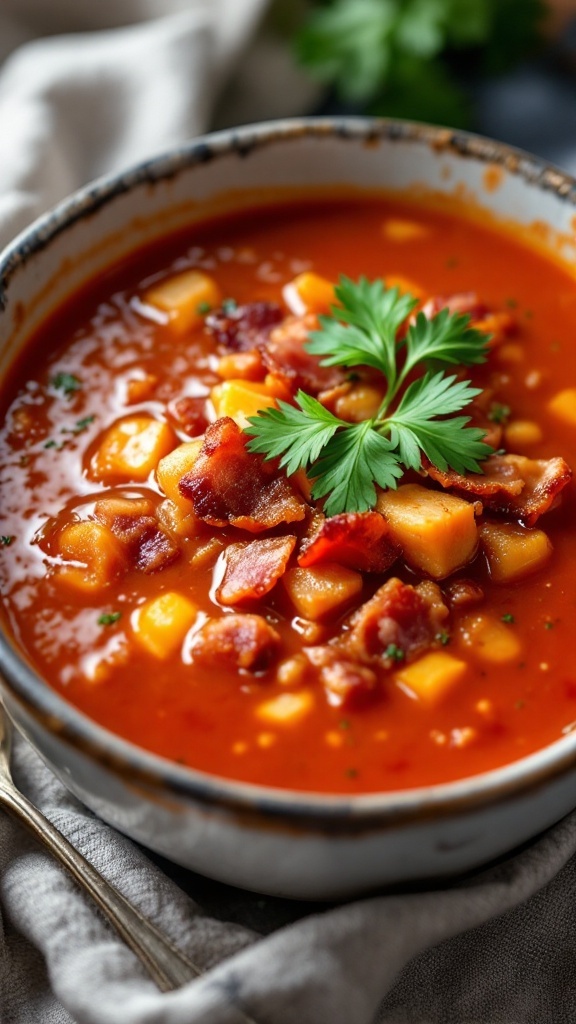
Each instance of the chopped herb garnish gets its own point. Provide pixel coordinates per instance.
(80, 426)
(443, 638)
(109, 618)
(548, 625)
(344, 723)
(347, 459)
(351, 773)
(394, 653)
(512, 303)
(229, 305)
(451, 262)
(520, 704)
(508, 618)
(67, 383)
(203, 308)
(499, 413)
(51, 443)
(6, 541)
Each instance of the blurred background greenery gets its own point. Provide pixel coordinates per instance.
(420, 59)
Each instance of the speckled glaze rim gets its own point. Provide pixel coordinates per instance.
(340, 814)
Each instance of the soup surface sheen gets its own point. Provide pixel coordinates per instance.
(129, 353)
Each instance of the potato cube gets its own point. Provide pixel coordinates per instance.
(437, 532)
(176, 521)
(161, 624)
(522, 434)
(398, 229)
(240, 365)
(97, 549)
(173, 467)
(360, 403)
(309, 293)
(131, 449)
(286, 708)
(563, 406)
(432, 676)
(512, 551)
(489, 639)
(322, 591)
(240, 399)
(186, 298)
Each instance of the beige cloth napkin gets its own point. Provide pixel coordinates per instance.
(137, 76)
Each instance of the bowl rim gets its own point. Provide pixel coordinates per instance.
(323, 812)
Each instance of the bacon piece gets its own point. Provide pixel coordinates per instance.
(229, 485)
(285, 355)
(499, 325)
(398, 623)
(347, 683)
(513, 484)
(245, 327)
(357, 539)
(253, 568)
(133, 522)
(464, 594)
(237, 642)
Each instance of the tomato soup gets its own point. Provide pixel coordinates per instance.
(183, 591)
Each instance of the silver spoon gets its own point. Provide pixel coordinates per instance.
(167, 966)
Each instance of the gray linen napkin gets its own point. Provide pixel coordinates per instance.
(497, 948)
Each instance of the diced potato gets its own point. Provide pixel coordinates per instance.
(176, 521)
(309, 293)
(240, 366)
(361, 403)
(399, 229)
(321, 591)
(240, 399)
(437, 532)
(512, 551)
(432, 676)
(131, 449)
(522, 434)
(139, 389)
(186, 298)
(489, 639)
(404, 285)
(97, 549)
(286, 708)
(563, 406)
(511, 352)
(161, 624)
(207, 553)
(173, 467)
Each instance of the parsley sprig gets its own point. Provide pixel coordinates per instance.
(416, 415)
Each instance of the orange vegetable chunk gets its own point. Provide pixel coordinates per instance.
(131, 449)
(321, 591)
(184, 297)
(512, 551)
(100, 553)
(161, 624)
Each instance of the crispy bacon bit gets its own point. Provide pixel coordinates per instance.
(357, 539)
(464, 594)
(347, 683)
(229, 485)
(253, 568)
(499, 325)
(132, 521)
(284, 355)
(237, 642)
(513, 484)
(398, 623)
(190, 415)
(245, 327)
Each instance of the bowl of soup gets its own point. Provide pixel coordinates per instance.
(287, 510)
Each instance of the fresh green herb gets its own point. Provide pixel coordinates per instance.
(80, 426)
(394, 653)
(347, 459)
(344, 723)
(229, 305)
(6, 541)
(548, 625)
(499, 413)
(67, 383)
(203, 308)
(109, 618)
(404, 58)
(519, 704)
(512, 303)
(508, 618)
(51, 443)
(351, 773)
(443, 638)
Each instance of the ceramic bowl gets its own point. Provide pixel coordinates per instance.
(279, 842)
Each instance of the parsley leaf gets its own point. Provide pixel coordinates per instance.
(67, 383)
(109, 618)
(347, 460)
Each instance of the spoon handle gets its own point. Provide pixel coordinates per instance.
(168, 967)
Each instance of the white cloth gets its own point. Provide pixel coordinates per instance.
(140, 75)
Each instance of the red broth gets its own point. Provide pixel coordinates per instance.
(83, 642)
